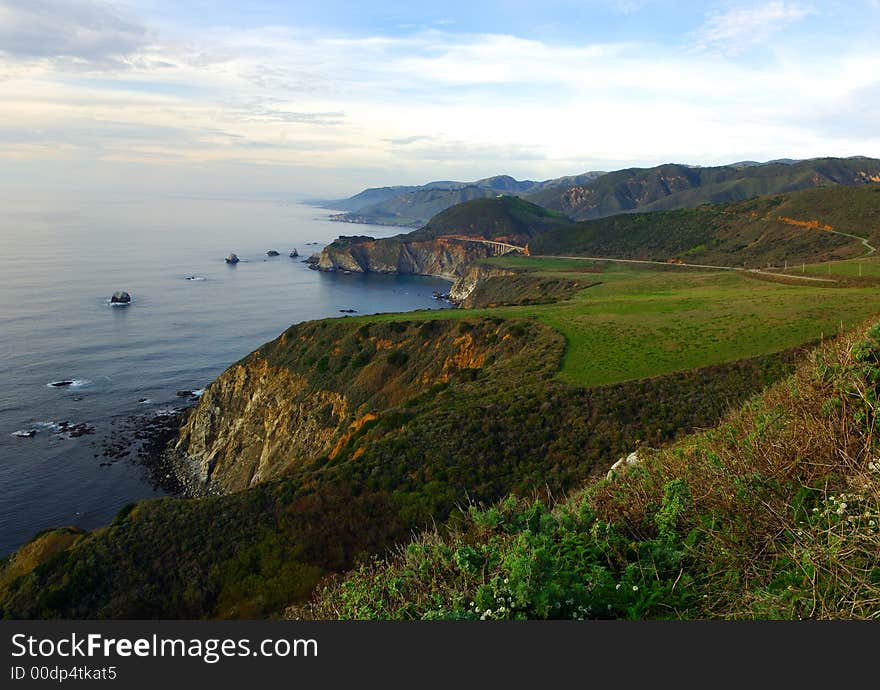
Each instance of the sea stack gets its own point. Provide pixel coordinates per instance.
(120, 297)
(272, 252)
(293, 254)
(232, 259)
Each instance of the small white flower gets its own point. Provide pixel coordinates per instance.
(635, 588)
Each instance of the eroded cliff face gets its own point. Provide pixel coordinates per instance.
(463, 288)
(301, 397)
(439, 257)
(250, 423)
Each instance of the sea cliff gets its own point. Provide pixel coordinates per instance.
(305, 395)
(441, 257)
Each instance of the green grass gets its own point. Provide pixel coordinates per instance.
(866, 267)
(642, 322)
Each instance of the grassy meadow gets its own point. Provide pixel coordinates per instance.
(864, 267)
(640, 321)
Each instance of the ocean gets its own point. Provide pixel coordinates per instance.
(191, 316)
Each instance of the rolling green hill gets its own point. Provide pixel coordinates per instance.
(501, 217)
(797, 227)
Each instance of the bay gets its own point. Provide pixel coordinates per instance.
(191, 316)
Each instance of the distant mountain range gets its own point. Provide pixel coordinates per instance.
(413, 206)
(507, 218)
(597, 195)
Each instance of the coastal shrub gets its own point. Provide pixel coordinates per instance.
(398, 359)
(773, 514)
(516, 560)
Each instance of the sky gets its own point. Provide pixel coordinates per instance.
(324, 98)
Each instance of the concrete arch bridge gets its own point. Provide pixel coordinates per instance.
(497, 248)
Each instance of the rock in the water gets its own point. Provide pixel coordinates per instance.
(120, 297)
(28, 433)
(348, 311)
(61, 384)
(272, 252)
(232, 259)
(293, 254)
(74, 430)
(186, 394)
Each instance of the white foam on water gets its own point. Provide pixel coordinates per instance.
(36, 427)
(47, 425)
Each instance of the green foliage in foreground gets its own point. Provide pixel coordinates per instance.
(521, 560)
(774, 514)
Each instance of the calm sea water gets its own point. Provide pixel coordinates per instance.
(60, 264)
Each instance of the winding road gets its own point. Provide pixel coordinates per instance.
(503, 248)
(664, 263)
(870, 249)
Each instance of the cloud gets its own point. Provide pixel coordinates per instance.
(433, 103)
(733, 31)
(406, 141)
(266, 114)
(78, 33)
(460, 151)
(855, 114)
